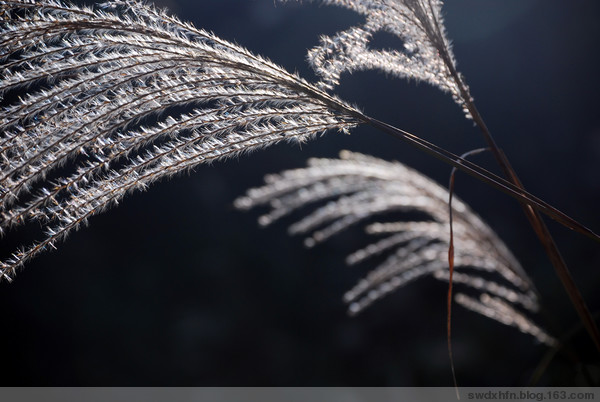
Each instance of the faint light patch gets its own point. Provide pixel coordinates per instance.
(590, 171)
(477, 19)
(211, 188)
(195, 330)
(267, 15)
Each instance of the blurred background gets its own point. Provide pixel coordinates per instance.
(176, 287)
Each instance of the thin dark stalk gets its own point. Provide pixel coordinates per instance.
(451, 267)
(563, 347)
(541, 230)
(483, 175)
(534, 217)
(531, 205)
(512, 189)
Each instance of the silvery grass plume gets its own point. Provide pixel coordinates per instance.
(103, 111)
(427, 55)
(122, 94)
(357, 188)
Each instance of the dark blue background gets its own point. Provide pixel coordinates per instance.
(175, 287)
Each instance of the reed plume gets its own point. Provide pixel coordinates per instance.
(120, 95)
(356, 188)
(426, 54)
(102, 115)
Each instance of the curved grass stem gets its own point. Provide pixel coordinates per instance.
(533, 215)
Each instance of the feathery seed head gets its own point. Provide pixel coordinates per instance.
(356, 188)
(93, 76)
(427, 55)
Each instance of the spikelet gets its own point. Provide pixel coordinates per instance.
(104, 92)
(356, 188)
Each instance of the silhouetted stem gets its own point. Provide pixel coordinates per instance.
(514, 190)
(563, 347)
(535, 219)
(530, 204)
(483, 175)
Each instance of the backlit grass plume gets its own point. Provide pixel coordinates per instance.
(426, 54)
(97, 102)
(103, 111)
(358, 188)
